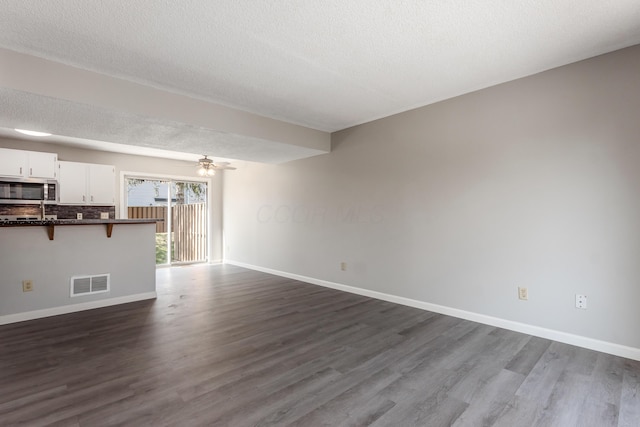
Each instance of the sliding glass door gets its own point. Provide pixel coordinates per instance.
(189, 221)
(181, 208)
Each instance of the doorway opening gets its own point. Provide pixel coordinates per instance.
(181, 208)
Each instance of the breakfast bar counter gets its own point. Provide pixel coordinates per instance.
(43, 276)
(50, 224)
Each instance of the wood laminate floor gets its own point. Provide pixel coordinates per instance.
(225, 346)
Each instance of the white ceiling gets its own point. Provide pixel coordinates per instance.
(325, 65)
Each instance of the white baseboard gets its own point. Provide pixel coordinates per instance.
(564, 337)
(66, 309)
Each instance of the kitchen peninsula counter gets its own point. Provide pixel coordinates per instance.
(52, 223)
(81, 249)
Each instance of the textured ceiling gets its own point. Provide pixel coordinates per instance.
(327, 64)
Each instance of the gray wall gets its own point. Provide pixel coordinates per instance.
(530, 183)
(26, 253)
(140, 164)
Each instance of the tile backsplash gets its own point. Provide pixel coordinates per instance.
(62, 211)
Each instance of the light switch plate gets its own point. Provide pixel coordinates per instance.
(523, 293)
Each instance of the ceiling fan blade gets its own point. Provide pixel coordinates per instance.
(223, 166)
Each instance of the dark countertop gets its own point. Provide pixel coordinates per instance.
(78, 222)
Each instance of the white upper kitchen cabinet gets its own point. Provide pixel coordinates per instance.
(27, 164)
(87, 184)
(72, 183)
(12, 162)
(42, 165)
(102, 189)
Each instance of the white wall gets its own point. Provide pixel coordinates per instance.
(530, 183)
(141, 164)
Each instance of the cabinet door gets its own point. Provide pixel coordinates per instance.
(42, 165)
(12, 162)
(102, 185)
(72, 183)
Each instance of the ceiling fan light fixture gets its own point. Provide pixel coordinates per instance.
(206, 167)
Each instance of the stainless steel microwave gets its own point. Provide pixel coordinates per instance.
(28, 191)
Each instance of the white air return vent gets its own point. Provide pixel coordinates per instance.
(88, 285)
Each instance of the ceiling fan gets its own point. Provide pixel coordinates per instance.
(206, 166)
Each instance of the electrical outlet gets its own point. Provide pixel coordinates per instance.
(27, 285)
(523, 293)
(343, 266)
(104, 215)
(78, 215)
(581, 301)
